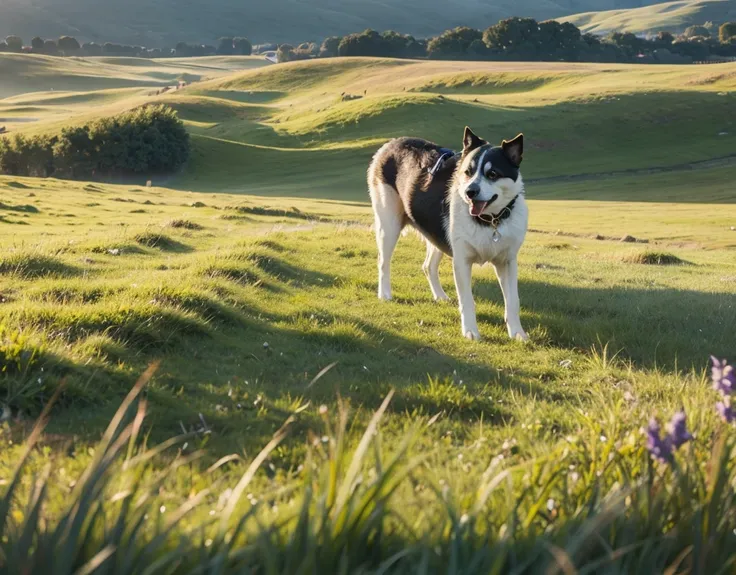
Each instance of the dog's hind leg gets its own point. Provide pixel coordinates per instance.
(390, 219)
(431, 269)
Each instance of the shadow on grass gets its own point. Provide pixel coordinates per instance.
(242, 368)
(655, 327)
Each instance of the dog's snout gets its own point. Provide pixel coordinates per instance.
(493, 198)
(472, 191)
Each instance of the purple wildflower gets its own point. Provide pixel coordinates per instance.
(725, 410)
(724, 378)
(661, 449)
(677, 430)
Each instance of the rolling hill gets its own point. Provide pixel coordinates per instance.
(329, 116)
(670, 16)
(165, 22)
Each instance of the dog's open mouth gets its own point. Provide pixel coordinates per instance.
(476, 208)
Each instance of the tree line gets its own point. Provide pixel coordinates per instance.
(146, 140)
(527, 39)
(510, 39)
(70, 46)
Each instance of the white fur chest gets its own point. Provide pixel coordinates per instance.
(477, 241)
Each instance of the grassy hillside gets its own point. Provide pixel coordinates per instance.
(167, 22)
(581, 121)
(251, 277)
(670, 16)
(34, 73)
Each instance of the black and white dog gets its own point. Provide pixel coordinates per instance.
(469, 206)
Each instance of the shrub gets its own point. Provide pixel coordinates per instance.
(27, 156)
(150, 139)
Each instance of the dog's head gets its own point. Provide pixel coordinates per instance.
(488, 177)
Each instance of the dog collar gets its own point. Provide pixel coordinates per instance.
(494, 220)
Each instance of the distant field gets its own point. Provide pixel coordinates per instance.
(669, 16)
(34, 73)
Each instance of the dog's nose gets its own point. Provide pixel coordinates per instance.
(472, 191)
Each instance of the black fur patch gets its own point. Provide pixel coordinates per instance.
(500, 163)
(404, 165)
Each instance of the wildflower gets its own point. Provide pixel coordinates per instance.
(677, 429)
(661, 449)
(725, 410)
(724, 378)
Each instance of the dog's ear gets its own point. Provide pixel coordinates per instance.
(471, 141)
(514, 149)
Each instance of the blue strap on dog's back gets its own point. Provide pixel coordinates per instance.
(445, 154)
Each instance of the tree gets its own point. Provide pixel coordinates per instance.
(693, 31)
(453, 43)
(366, 43)
(727, 32)
(242, 47)
(478, 50)
(37, 45)
(182, 49)
(69, 45)
(517, 38)
(92, 49)
(50, 47)
(225, 46)
(330, 47)
(15, 43)
(285, 53)
(664, 39)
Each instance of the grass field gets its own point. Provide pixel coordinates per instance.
(672, 17)
(253, 271)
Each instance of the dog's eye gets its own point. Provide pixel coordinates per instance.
(469, 171)
(493, 174)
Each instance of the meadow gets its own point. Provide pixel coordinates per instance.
(248, 280)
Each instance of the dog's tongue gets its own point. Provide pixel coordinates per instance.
(476, 208)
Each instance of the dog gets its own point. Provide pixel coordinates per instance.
(469, 206)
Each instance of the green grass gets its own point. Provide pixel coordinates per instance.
(672, 17)
(251, 277)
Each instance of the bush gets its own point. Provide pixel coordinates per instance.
(24, 156)
(146, 140)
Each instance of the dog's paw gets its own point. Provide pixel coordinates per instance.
(442, 298)
(472, 335)
(384, 296)
(520, 336)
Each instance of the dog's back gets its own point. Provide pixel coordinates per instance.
(403, 191)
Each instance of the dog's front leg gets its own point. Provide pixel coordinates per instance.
(508, 277)
(462, 267)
